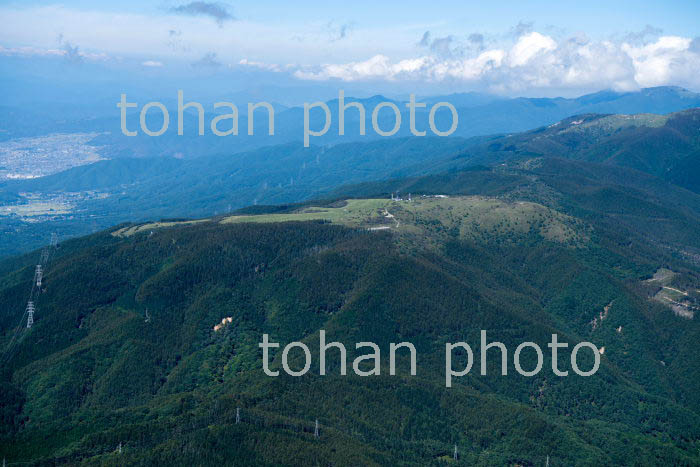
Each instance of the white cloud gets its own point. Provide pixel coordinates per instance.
(66, 50)
(377, 67)
(260, 65)
(152, 63)
(27, 51)
(657, 63)
(538, 61)
(522, 60)
(425, 67)
(528, 46)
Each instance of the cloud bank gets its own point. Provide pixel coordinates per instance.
(533, 60)
(522, 59)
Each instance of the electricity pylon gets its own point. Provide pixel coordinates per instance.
(38, 275)
(30, 314)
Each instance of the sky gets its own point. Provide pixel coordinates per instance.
(503, 47)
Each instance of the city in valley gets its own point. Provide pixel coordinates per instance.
(26, 158)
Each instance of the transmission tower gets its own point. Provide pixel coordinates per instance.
(54, 239)
(38, 275)
(316, 434)
(455, 456)
(238, 415)
(30, 314)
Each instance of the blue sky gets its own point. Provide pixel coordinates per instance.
(507, 47)
(596, 17)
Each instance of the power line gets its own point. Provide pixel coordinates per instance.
(34, 292)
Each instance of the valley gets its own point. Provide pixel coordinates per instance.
(27, 158)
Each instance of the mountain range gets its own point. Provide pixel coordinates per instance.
(133, 189)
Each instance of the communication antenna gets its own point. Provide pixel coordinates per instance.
(547, 461)
(30, 314)
(316, 435)
(238, 415)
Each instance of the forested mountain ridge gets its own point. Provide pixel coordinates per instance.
(147, 360)
(666, 146)
(113, 191)
(123, 190)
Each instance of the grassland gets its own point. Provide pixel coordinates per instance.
(129, 231)
(353, 212)
(425, 219)
(481, 218)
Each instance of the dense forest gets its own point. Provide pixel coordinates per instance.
(132, 359)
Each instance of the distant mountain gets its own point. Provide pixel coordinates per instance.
(521, 114)
(479, 114)
(666, 146)
(463, 100)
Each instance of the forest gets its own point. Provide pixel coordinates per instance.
(145, 349)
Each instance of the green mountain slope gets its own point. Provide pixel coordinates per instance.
(666, 146)
(132, 344)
